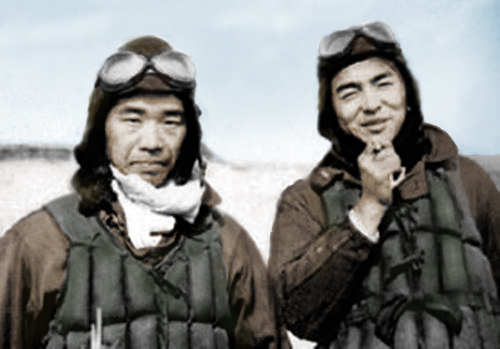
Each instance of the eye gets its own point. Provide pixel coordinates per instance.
(131, 115)
(132, 120)
(386, 83)
(171, 120)
(347, 95)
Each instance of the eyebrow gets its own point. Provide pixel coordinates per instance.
(132, 110)
(379, 77)
(373, 81)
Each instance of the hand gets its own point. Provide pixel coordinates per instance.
(379, 165)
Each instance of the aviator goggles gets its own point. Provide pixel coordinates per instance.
(123, 69)
(338, 42)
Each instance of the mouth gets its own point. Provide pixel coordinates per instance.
(151, 168)
(376, 125)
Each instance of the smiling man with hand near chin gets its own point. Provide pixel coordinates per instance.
(393, 240)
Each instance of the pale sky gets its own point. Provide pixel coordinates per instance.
(255, 62)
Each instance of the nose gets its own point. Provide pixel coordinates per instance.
(150, 140)
(371, 103)
(153, 152)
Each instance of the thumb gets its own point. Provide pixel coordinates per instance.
(401, 178)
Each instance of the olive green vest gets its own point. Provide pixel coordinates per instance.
(429, 284)
(181, 302)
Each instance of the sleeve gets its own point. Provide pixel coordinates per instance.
(12, 286)
(251, 296)
(32, 262)
(484, 201)
(314, 267)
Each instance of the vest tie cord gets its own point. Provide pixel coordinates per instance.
(437, 305)
(443, 298)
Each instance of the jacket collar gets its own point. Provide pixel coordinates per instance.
(332, 167)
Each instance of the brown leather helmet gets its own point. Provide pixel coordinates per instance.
(92, 180)
(346, 47)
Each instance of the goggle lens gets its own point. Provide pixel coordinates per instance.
(121, 68)
(380, 31)
(335, 43)
(176, 65)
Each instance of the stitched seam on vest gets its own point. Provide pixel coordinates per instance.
(125, 299)
(190, 301)
(90, 293)
(449, 185)
(457, 208)
(212, 292)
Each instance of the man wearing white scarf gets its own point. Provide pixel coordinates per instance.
(139, 256)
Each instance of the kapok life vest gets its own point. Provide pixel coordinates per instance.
(429, 284)
(181, 302)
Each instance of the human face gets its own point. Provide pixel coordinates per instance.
(144, 135)
(370, 100)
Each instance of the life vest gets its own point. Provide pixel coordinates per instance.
(181, 302)
(428, 283)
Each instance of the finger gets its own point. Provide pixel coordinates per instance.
(401, 178)
(383, 146)
(386, 143)
(389, 148)
(376, 144)
(369, 148)
(391, 158)
(376, 148)
(366, 156)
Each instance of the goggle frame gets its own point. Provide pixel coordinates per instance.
(126, 68)
(337, 43)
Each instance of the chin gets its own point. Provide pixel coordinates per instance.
(154, 180)
(384, 136)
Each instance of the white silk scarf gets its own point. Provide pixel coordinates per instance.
(149, 209)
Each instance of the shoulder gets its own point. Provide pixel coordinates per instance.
(37, 240)
(300, 200)
(481, 191)
(33, 256)
(475, 179)
(36, 228)
(300, 190)
(236, 241)
(471, 171)
(307, 192)
(38, 233)
(301, 194)
(300, 218)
